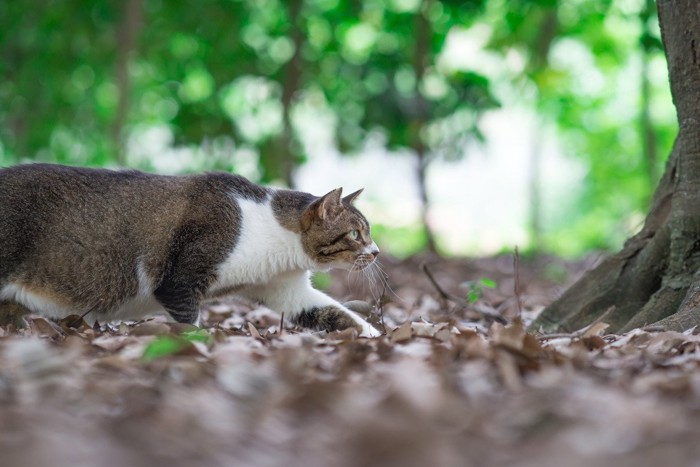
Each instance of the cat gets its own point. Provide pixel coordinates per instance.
(125, 244)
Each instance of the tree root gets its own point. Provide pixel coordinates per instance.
(626, 281)
(688, 314)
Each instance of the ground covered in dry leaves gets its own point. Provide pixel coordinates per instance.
(448, 385)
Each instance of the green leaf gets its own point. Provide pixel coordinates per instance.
(164, 346)
(488, 283)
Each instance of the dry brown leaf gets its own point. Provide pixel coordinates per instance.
(72, 323)
(511, 336)
(253, 331)
(423, 329)
(112, 362)
(597, 329)
(44, 327)
(113, 343)
(666, 342)
(594, 342)
(150, 328)
(443, 334)
(532, 347)
(508, 370)
(179, 328)
(402, 333)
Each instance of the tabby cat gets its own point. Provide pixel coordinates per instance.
(125, 244)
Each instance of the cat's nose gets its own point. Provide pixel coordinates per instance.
(373, 250)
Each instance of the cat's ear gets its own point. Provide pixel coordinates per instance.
(323, 208)
(349, 199)
(329, 203)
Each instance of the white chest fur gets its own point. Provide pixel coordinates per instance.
(264, 249)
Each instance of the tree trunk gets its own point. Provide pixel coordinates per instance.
(646, 122)
(539, 62)
(421, 54)
(290, 86)
(423, 196)
(655, 279)
(534, 191)
(126, 42)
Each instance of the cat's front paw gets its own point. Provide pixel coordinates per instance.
(367, 330)
(333, 318)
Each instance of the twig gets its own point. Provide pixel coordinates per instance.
(516, 284)
(77, 320)
(446, 296)
(380, 307)
(443, 295)
(281, 330)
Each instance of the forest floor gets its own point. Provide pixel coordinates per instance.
(448, 385)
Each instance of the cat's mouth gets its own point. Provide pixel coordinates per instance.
(363, 262)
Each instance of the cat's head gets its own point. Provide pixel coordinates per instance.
(335, 234)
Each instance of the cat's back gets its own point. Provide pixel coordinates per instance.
(62, 212)
(59, 212)
(69, 191)
(47, 199)
(35, 183)
(33, 189)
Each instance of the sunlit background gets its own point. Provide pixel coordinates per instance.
(474, 126)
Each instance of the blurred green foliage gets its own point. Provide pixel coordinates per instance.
(595, 69)
(80, 81)
(321, 280)
(401, 241)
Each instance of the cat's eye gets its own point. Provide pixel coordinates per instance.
(353, 234)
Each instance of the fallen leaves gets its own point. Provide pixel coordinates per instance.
(454, 393)
(437, 390)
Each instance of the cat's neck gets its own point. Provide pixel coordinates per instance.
(288, 207)
(265, 248)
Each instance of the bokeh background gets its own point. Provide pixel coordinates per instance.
(474, 126)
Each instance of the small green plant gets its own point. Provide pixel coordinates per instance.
(475, 289)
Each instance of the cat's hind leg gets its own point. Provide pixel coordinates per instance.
(182, 305)
(180, 297)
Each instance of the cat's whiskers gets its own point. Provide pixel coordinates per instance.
(367, 274)
(370, 273)
(374, 274)
(383, 276)
(354, 268)
(359, 265)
